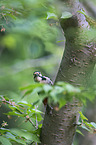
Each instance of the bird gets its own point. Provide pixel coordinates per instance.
(42, 79)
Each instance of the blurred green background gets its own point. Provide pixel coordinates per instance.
(28, 42)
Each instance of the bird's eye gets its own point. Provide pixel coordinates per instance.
(37, 73)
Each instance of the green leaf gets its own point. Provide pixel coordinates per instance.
(4, 130)
(32, 86)
(88, 124)
(21, 133)
(5, 141)
(32, 98)
(82, 116)
(25, 134)
(37, 116)
(66, 15)
(26, 93)
(93, 124)
(71, 88)
(15, 138)
(15, 113)
(12, 16)
(62, 102)
(37, 90)
(35, 138)
(36, 111)
(57, 95)
(26, 87)
(51, 16)
(47, 88)
(24, 103)
(56, 90)
(40, 125)
(16, 108)
(10, 136)
(84, 127)
(61, 83)
(78, 131)
(20, 141)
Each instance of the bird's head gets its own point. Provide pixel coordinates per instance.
(36, 74)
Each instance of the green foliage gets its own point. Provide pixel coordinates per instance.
(84, 124)
(4, 141)
(78, 131)
(29, 18)
(60, 93)
(16, 135)
(24, 110)
(82, 116)
(27, 108)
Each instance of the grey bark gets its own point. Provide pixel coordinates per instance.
(76, 68)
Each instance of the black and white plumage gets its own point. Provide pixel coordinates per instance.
(42, 79)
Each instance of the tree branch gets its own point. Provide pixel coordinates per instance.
(13, 104)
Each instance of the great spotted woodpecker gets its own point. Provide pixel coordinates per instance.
(42, 79)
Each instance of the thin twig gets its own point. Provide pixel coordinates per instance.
(13, 104)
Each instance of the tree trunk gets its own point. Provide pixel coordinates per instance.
(76, 68)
